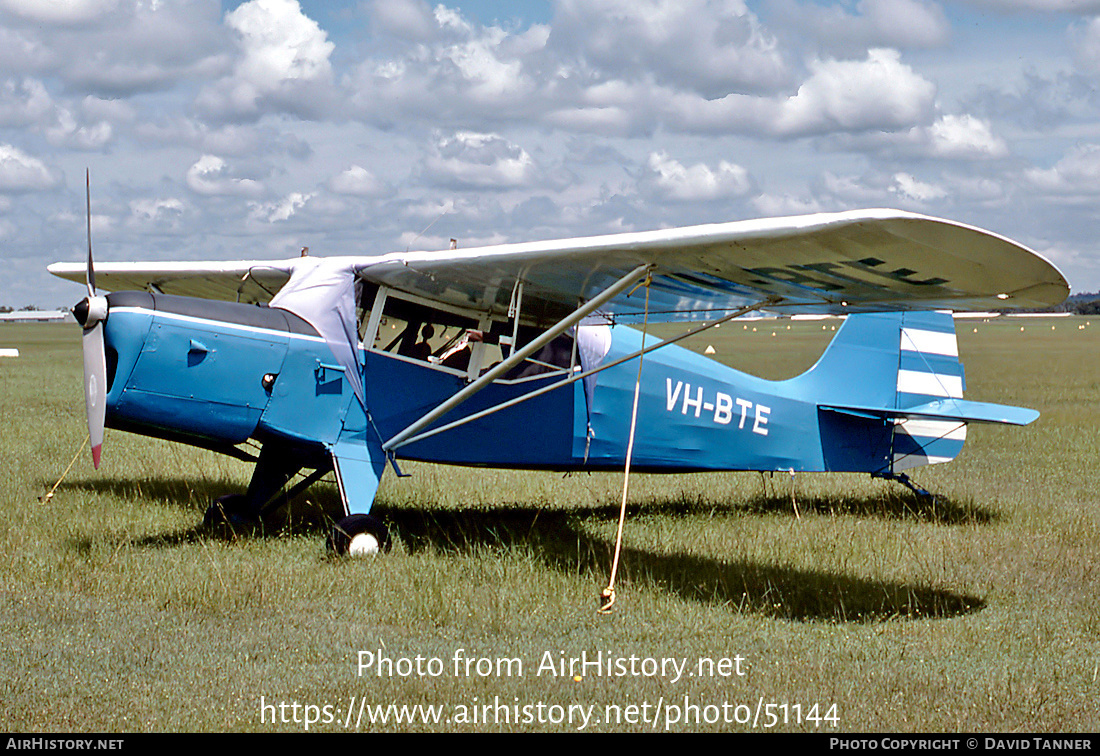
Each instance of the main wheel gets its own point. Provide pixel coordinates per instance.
(231, 510)
(359, 535)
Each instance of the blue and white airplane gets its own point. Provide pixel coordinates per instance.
(522, 355)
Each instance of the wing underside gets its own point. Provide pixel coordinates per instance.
(249, 281)
(826, 263)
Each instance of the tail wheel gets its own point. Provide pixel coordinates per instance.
(359, 535)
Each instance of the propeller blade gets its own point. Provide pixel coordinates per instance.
(95, 354)
(88, 197)
(95, 387)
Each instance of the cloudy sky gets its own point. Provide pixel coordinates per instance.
(248, 130)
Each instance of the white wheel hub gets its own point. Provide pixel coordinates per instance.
(363, 544)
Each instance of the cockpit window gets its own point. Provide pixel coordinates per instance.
(446, 339)
(559, 354)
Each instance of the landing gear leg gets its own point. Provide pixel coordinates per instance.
(275, 467)
(231, 510)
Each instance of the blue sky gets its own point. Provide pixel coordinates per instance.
(248, 130)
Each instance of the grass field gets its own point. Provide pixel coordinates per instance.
(863, 608)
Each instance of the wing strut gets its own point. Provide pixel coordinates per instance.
(581, 376)
(519, 356)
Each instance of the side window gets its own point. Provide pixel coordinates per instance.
(559, 354)
(425, 333)
(365, 296)
(461, 342)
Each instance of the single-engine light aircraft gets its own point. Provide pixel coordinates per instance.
(522, 355)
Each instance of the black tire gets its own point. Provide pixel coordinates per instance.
(232, 511)
(345, 530)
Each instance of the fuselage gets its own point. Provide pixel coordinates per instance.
(216, 374)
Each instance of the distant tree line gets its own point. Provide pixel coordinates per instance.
(1087, 303)
(1084, 304)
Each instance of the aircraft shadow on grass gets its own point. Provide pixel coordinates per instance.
(173, 491)
(891, 505)
(559, 539)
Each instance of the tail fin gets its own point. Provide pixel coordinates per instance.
(900, 374)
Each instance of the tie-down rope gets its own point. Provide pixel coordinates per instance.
(607, 596)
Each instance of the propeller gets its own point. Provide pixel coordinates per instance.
(90, 313)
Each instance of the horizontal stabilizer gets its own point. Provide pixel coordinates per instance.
(947, 409)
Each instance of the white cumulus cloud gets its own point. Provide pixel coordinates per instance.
(117, 48)
(908, 187)
(483, 161)
(25, 102)
(1085, 39)
(672, 180)
(404, 19)
(1076, 174)
(713, 47)
(280, 210)
(844, 29)
(964, 136)
(68, 132)
(211, 176)
(20, 172)
(283, 62)
(360, 182)
(153, 208)
(876, 94)
(156, 213)
(880, 92)
(63, 12)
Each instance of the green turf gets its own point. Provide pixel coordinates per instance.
(976, 613)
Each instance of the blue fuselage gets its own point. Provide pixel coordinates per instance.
(217, 374)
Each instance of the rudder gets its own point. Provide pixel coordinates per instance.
(929, 370)
(876, 383)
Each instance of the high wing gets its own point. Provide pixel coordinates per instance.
(248, 281)
(831, 263)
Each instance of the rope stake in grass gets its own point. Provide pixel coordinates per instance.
(45, 498)
(607, 596)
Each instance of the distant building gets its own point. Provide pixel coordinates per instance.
(37, 316)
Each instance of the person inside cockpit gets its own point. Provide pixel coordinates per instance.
(422, 349)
